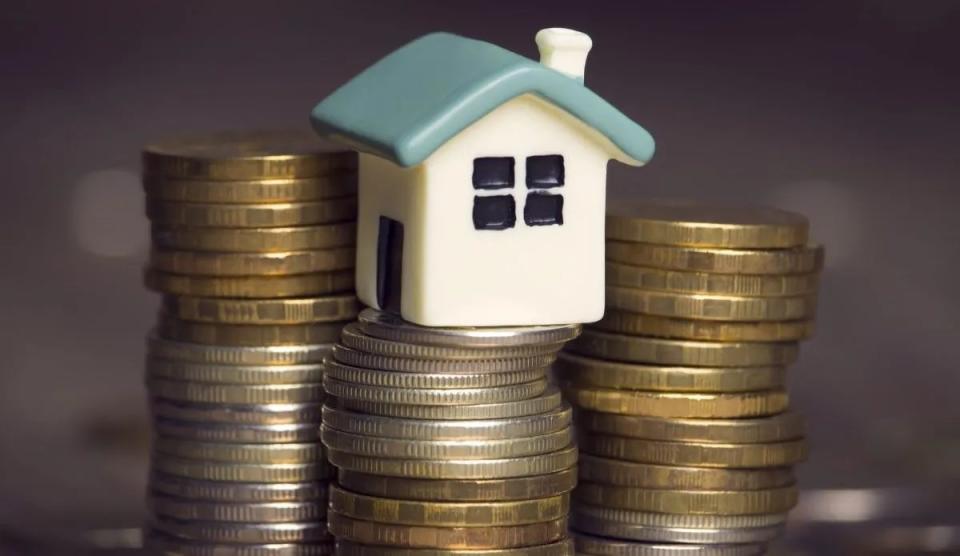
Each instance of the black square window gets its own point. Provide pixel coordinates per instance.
(496, 212)
(493, 172)
(544, 171)
(543, 209)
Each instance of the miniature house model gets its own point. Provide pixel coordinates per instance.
(482, 180)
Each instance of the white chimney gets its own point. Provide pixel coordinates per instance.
(564, 50)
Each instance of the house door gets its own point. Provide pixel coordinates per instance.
(389, 264)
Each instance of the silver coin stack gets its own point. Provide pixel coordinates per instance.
(253, 250)
(447, 440)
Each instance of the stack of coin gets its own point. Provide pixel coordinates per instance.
(253, 250)
(448, 441)
(686, 438)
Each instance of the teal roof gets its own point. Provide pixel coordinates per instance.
(418, 97)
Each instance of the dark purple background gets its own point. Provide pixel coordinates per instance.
(846, 111)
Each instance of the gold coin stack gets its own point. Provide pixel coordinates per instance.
(680, 391)
(253, 250)
(448, 441)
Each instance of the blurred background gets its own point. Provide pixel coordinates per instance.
(847, 111)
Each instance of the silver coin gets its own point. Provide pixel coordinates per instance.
(217, 532)
(681, 521)
(446, 449)
(243, 394)
(617, 530)
(239, 492)
(588, 544)
(242, 472)
(407, 365)
(390, 327)
(161, 543)
(548, 401)
(249, 414)
(227, 355)
(353, 337)
(260, 512)
(233, 374)
(433, 396)
(422, 429)
(394, 379)
(253, 434)
(303, 452)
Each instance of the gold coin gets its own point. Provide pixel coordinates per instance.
(236, 433)
(410, 365)
(775, 428)
(548, 401)
(270, 287)
(635, 324)
(456, 469)
(235, 414)
(181, 390)
(641, 349)
(263, 311)
(242, 472)
(156, 542)
(216, 531)
(694, 223)
(414, 536)
(677, 404)
(304, 452)
(391, 327)
(256, 240)
(605, 546)
(595, 469)
(699, 454)
(237, 492)
(712, 307)
(445, 449)
(796, 260)
(234, 374)
(281, 190)
(447, 514)
(707, 502)
(633, 376)
(681, 521)
(461, 490)
(272, 215)
(394, 379)
(753, 285)
(421, 429)
(246, 155)
(237, 355)
(434, 396)
(263, 512)
(246, 334)
(199, 263)
(559, 548)
(354, 338)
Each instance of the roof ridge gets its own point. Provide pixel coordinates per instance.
(412, 101)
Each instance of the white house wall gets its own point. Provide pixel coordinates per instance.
(386, 189)
(520, 276)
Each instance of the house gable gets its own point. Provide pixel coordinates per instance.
(509, 274)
